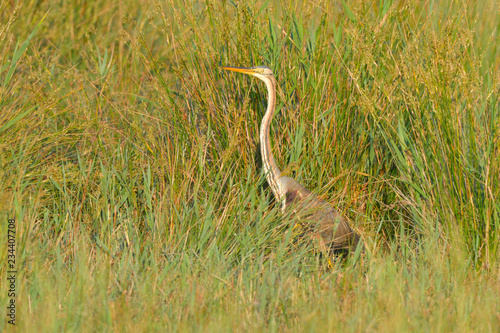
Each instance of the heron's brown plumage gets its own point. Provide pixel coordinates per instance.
(327, 226)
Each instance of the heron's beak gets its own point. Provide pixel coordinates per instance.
(244, 70)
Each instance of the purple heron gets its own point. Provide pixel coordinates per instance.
(328, 227)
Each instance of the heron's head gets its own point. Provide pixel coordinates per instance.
(262, 72)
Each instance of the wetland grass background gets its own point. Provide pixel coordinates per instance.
(130, 162)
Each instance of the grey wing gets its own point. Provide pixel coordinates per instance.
(334, 230)
(331, 229)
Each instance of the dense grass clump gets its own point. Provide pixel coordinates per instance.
(131, 164)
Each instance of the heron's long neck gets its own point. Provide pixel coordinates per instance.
(270, 168)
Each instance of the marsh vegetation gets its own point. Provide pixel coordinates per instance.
(130, 163)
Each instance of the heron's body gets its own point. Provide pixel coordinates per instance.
(326, 224)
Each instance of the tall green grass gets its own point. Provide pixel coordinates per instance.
(131, 164)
